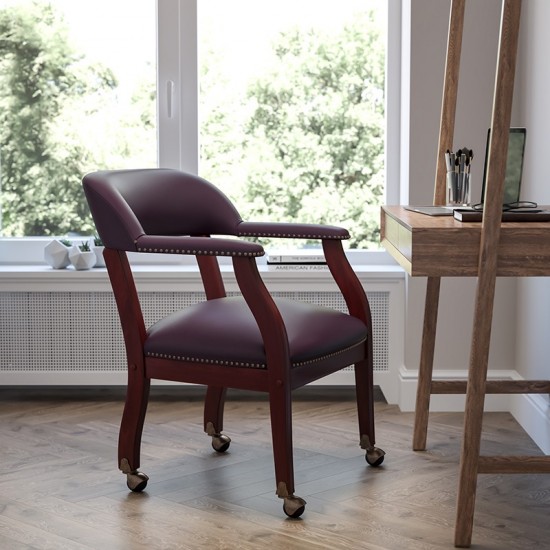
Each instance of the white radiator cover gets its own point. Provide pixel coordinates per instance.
(74, 337)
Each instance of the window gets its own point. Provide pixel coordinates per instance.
(77, 93)
(291, 109)
(282, 106)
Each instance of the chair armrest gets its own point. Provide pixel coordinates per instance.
(345, 277)
(268, 319)
(291, 230)
(168, 244)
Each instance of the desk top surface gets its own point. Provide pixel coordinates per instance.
(441, 246)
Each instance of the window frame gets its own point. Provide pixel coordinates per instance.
(177, 109)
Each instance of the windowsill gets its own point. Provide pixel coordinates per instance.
(174, 277)
(28, 272)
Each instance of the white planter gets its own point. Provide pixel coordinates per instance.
(98, 250)
(81, 260)
(56, 255)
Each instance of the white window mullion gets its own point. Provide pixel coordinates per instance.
(393, 103)
(177, 107)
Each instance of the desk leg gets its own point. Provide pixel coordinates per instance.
(426, 364)
(473, 415)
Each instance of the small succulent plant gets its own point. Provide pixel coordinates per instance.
(84, 247)
(97, 241)
(66, 242)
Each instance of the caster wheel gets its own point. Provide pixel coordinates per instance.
(136, 481)
(294, 507)
(220, 443)
(374, 457)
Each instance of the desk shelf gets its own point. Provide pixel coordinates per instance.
(440, 246)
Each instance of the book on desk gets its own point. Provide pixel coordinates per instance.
(518, 215)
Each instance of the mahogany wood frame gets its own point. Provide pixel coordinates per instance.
(278, 379)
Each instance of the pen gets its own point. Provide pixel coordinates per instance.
(458, 174)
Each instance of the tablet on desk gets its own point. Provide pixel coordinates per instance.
(436, 210)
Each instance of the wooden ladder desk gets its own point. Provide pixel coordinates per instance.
(427, 246)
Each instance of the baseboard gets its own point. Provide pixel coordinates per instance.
(449, 402)
(531, 411)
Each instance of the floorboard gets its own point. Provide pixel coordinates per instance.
(60, 487)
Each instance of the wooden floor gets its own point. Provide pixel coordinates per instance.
(60, 487)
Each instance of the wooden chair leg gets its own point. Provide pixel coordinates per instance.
(131, 427)
(425, 371)
(213, 418)
(365, 409)
(213, 409)
(365, 399)
(280, 406)
(281, 431)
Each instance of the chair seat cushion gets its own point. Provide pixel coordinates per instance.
(224, 331)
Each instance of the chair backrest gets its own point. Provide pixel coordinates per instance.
(127, 204)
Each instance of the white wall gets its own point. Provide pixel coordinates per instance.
(426, 46)
(534, 71)
(533, 308)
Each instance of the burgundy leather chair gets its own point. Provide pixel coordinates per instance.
(252, 342)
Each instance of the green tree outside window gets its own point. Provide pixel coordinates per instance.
(304, 141)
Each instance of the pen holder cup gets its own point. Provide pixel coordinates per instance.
(458, 188)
